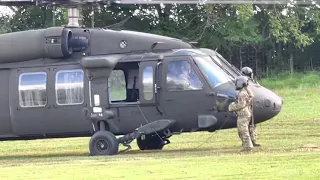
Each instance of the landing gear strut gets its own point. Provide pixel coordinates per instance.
(104, 142)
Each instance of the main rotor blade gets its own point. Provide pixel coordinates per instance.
(81, 2)
(298, 2)
(52, 2)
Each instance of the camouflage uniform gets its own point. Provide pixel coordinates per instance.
(185, 81)
(243, 110)
(244, 117)
(252, 127)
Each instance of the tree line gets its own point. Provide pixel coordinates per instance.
(268, 38)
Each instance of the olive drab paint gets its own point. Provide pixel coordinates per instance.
(75, 82)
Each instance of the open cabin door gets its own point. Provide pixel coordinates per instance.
(147, 95)
(147, 92)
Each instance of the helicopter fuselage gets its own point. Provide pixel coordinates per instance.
(76, 81)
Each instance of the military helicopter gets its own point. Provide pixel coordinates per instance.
(56, 83)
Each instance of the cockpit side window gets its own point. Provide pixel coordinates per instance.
(182, 77)
(212, 72)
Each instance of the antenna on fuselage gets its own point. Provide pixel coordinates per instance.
(154, 45)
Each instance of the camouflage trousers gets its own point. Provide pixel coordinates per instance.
(243, 131)
(253, 133)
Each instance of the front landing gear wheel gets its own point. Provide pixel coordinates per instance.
(103, 143)
(150, 143)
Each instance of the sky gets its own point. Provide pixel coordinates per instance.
(5, 10)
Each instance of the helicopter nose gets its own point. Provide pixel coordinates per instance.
(266, 104)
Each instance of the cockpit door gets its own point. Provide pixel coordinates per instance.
(184, 95)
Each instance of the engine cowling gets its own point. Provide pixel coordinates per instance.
(54, 42)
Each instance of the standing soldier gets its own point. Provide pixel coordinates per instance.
(249, 73)
(242, 109)
(252, 127)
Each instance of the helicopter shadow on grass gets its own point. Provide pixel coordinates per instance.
(198, 151)
(205, 151)
(44, 156)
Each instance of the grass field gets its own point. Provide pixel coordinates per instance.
(290, 149)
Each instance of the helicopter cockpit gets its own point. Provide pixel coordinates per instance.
(213, 73)
(210, 66)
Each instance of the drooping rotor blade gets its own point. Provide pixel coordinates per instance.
(52, 2)
(298, 2)
(81, 2)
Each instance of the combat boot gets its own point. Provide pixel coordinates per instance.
(255, 144)
(246, 150)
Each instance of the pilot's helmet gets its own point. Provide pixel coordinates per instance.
(185, 66)
(241, 82)
(247, 71)
(232, 106)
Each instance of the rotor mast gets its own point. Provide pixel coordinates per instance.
(74, 16)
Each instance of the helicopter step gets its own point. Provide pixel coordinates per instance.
(149, 136)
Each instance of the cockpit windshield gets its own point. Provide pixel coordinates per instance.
(213, 73)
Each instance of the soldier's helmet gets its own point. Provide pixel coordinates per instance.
(232, 106)
(247, 71)
(185, 65)
(241, 82)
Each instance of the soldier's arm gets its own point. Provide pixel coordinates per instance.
(250, 93)
(241, 103)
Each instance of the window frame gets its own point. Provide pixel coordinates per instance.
(187, 59)
(55, 86)
(125, 88)
(46, 88)
(152, 83)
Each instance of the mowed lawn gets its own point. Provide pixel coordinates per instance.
(290, 150)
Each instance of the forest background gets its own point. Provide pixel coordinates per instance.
(271, 39)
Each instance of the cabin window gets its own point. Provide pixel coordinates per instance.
(147, 80)
(33, 89)
(69, 87)
(182, 77)
(117, 86)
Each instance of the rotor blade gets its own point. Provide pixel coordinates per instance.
(298, 2)
(81, 2)
(17, 2)
(51, 2)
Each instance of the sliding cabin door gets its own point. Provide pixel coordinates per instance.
(69, 97)
(29, 104)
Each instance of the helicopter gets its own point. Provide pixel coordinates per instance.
(75, 81)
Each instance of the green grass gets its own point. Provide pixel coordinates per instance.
(296, 80)
(286, 151)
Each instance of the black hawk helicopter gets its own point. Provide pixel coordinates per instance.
(56, 82)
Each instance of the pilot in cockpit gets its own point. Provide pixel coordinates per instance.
(187, 78)
(185, 72)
